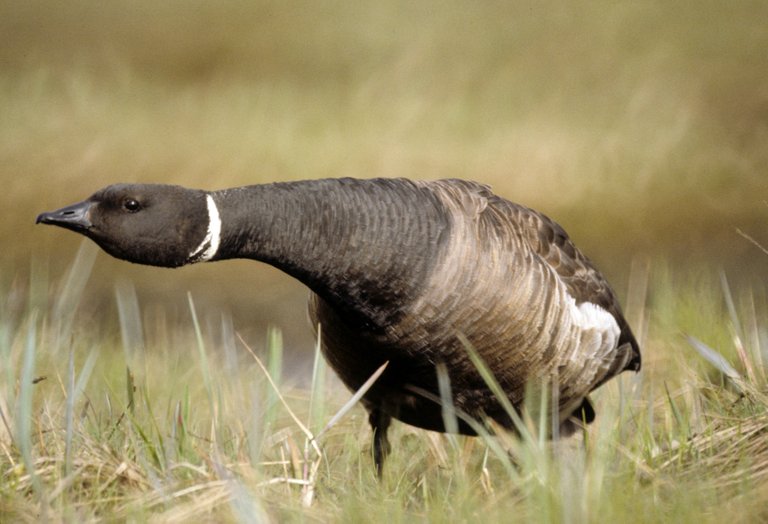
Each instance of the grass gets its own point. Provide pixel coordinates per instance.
(642, 129)
(157, 420)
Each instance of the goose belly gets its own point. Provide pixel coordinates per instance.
(407, 390)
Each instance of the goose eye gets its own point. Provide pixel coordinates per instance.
(131, 205)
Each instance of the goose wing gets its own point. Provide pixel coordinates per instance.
(582, 280)
(549, 241)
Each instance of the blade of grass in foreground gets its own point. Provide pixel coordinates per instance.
(717, 360)
(204, 367)
(495, 387)
(213, 393)
(131, 331)
(316, 414)
(275, 372)
(246, 507)
(354, 399)
(74, 389)
(738, 329)
(65, 307)
(317, 394)
(308, 491)
(24, 412)
(446, 400)
(272, 383)
(677, 414)
(482, 431)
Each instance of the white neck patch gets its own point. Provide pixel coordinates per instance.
(210, 244)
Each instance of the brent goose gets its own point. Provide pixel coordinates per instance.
(405, 272)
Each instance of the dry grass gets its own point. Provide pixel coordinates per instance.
(200, 428)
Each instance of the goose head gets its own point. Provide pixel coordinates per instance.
(152, 224)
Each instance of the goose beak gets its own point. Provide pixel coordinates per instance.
(76, 217)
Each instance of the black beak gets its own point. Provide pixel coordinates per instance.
(75, 217)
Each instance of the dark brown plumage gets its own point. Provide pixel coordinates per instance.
(400, 271)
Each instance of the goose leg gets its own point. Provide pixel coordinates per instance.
(380, 422)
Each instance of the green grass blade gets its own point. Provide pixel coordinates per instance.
(130, 387)
(74, 390)
(246, 507)
(479, 429)
(70, 409)
(683, 427)
(71, 292)
(24, 416)
(362, 390)
(131, 331)
(317, 396)
(280, 397)
(719, 361)
(495, 387)
(446, 399)
(275, 372)
(204, 367)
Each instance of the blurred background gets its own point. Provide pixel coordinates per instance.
(642, 127)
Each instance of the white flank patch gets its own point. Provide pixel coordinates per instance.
(210, 244)
(593, 316)
(590, 317)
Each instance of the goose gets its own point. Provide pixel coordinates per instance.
(409, 273)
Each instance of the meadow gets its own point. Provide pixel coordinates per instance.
(133, 393)
(142, 419)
